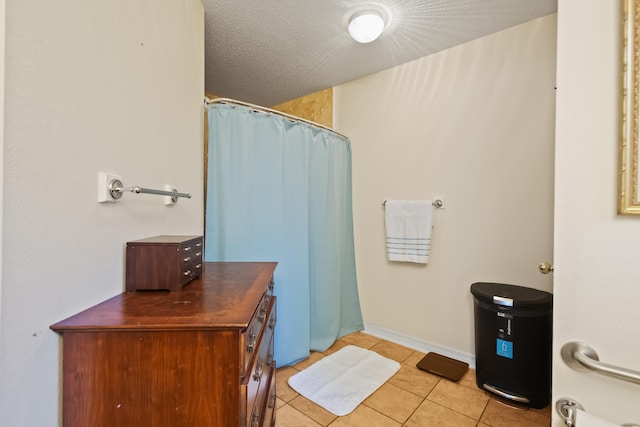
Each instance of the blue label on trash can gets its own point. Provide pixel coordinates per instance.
(504, 348)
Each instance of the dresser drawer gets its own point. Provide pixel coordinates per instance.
(256, 385)
(263, 414)
(249, 340)
(255, 380)
(269, 409)
(163, 262)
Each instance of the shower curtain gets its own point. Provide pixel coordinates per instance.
(280, 190)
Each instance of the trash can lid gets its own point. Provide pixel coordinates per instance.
(510, 295)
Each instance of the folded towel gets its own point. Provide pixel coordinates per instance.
(408, 227)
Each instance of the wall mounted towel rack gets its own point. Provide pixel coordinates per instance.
(437, 203)
(116, 190)
(111, 189)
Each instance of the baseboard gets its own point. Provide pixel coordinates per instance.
(417, 344)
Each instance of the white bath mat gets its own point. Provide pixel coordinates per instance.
(342, 380)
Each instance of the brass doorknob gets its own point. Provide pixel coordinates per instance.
(545, 268)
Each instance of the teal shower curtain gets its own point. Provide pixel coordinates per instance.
(280, 190)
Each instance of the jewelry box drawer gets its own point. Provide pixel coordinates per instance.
(191, 257)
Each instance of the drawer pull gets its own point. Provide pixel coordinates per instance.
(272, 401)
(198, 245)
(259, 369)
(198, 254)
(187, 273)
(272, 322)
(251, 341)
(187, 248)
(255, 419)
(198, 266)
(262, 313)
(187, 259)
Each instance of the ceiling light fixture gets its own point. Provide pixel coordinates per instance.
(365, 27)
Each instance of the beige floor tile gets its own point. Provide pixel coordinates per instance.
(416, 381)
(394, 402)
(283, 391)
(363, 416)
(500, 415)
(461, 399)
(361, 339)
(313, 411)
(469, 379)
(394, 351)
(448, 404)
(313, 358)
(430, 414)
(414, 358)
(288, 416)
(335, 347)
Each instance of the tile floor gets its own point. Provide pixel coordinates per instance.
(411, 398)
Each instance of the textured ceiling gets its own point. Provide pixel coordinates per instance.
(270, 51)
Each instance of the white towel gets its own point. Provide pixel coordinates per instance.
(408, 226)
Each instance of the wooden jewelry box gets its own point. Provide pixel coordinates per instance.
(163, 262)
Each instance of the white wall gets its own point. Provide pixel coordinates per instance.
(597, 286)
(114, 86)
(2, 51)
(475, 125)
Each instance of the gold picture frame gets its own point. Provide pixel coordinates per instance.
(628, 185)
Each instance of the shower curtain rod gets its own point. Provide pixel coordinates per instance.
(261, 109)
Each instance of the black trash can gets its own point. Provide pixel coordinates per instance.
(513, 327)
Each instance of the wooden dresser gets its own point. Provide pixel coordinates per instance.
(199, 356)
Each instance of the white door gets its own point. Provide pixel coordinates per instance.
(597, 252)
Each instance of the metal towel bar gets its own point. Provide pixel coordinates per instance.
(582, 357)
(437, 203)
(116, 188)
(173, 193)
